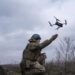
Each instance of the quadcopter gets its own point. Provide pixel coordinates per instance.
(58, 23)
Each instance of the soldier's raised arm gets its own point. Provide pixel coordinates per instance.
(48, 41)
(35, 42)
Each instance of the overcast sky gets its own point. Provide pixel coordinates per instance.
(19, 19)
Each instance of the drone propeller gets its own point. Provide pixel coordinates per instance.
(50, 23)
(56, 19)
(65, 22)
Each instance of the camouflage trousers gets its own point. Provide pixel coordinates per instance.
(32, 68)
(35, 72)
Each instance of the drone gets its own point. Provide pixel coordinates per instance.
(58, 23)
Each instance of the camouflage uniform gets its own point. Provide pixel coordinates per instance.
(31, 62)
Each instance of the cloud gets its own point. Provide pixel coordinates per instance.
(19, 19)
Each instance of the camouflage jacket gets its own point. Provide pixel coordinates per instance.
(33, 49)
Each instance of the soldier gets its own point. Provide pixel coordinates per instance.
(32, 60)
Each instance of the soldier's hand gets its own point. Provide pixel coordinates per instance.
(54, 36)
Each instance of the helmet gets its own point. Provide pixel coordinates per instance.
(36, 37)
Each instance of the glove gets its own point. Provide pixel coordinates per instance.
(54, 36)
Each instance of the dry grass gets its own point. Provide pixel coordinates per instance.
(52, 69)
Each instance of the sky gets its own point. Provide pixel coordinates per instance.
(20, 19)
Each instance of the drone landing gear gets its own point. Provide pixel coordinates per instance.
(58, 28)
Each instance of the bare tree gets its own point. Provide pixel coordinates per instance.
(66, 52)
(66, 49)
